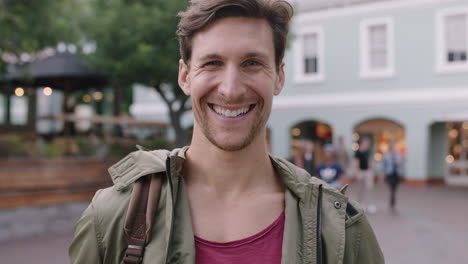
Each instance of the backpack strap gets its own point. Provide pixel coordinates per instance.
(139, 220)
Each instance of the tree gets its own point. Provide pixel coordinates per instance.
(27, 27)
(136, 43)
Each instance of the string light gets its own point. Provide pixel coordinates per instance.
(19, 91)
(47, 91)
(296, 132)
(86, 98)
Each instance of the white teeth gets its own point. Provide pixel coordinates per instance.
(229, 113)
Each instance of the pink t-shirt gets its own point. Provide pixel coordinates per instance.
(262, 248)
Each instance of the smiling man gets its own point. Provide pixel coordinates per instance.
(224, 199)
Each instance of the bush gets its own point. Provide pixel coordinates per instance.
(85, 146)
(56, 149)
(13, 145)
(22, 146)
(122, 147)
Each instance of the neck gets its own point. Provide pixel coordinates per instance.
(230, 173)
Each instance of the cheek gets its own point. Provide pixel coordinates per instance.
(201, 86)
(262, 82)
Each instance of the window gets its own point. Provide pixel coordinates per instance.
(309, 55)
(2, 109)
(377, 48)
(452, 40)
(19, 110)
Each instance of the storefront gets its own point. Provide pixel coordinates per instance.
(315, 132)
(381, 133)
(456, 171)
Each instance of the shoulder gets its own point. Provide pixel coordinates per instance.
(299, 181)
(337, 165)
(110, 208)
(100, 228)
(361, 244)
(108, 201)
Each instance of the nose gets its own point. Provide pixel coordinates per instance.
(231, 86)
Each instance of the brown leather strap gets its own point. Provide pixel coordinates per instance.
(139, 220)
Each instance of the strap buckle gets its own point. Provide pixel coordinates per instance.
(133, 254)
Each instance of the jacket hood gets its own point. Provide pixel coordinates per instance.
(141, 163)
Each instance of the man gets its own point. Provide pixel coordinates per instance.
(309, 158)
(225, 199)
(297, 156)
(392, 161)
(329, 170)
(342, 154)
(364, 174)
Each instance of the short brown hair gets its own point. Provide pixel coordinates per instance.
(202, 13)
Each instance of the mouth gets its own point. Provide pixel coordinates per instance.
(232, 111)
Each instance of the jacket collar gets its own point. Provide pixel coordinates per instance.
(141, 163)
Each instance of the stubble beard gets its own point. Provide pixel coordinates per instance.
(246, 141)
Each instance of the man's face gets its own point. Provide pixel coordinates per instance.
(232, 79)
(328, 155)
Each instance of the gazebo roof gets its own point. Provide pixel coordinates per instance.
(62, 70)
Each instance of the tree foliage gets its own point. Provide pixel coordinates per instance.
(29, 26)
(136, 43)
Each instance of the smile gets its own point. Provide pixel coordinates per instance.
(231, 112)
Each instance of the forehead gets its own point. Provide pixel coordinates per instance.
(234, 36)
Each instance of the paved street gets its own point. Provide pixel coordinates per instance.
(430, 227)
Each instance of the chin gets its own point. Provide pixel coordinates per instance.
(231, 142)
(231, 146)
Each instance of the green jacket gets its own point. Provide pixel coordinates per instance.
(346, 236)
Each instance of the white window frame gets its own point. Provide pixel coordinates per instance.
(300, 75)
(366, 72)
(442, 65)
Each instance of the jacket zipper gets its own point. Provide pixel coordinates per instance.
(319, 226)
(169, 178)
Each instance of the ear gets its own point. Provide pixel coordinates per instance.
(183, 78)
(279, 80)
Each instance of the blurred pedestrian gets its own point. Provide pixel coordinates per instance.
(342, 156)
(392, 167)
(364, 174)
(69, 128)
(297, 156)
(329, 170)
(309, 157)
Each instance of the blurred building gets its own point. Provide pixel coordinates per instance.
(389, 70)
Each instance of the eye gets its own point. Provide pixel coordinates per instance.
(212, 63)
(252, 63)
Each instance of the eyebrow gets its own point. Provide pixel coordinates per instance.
(211, 56)
(256, 55)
